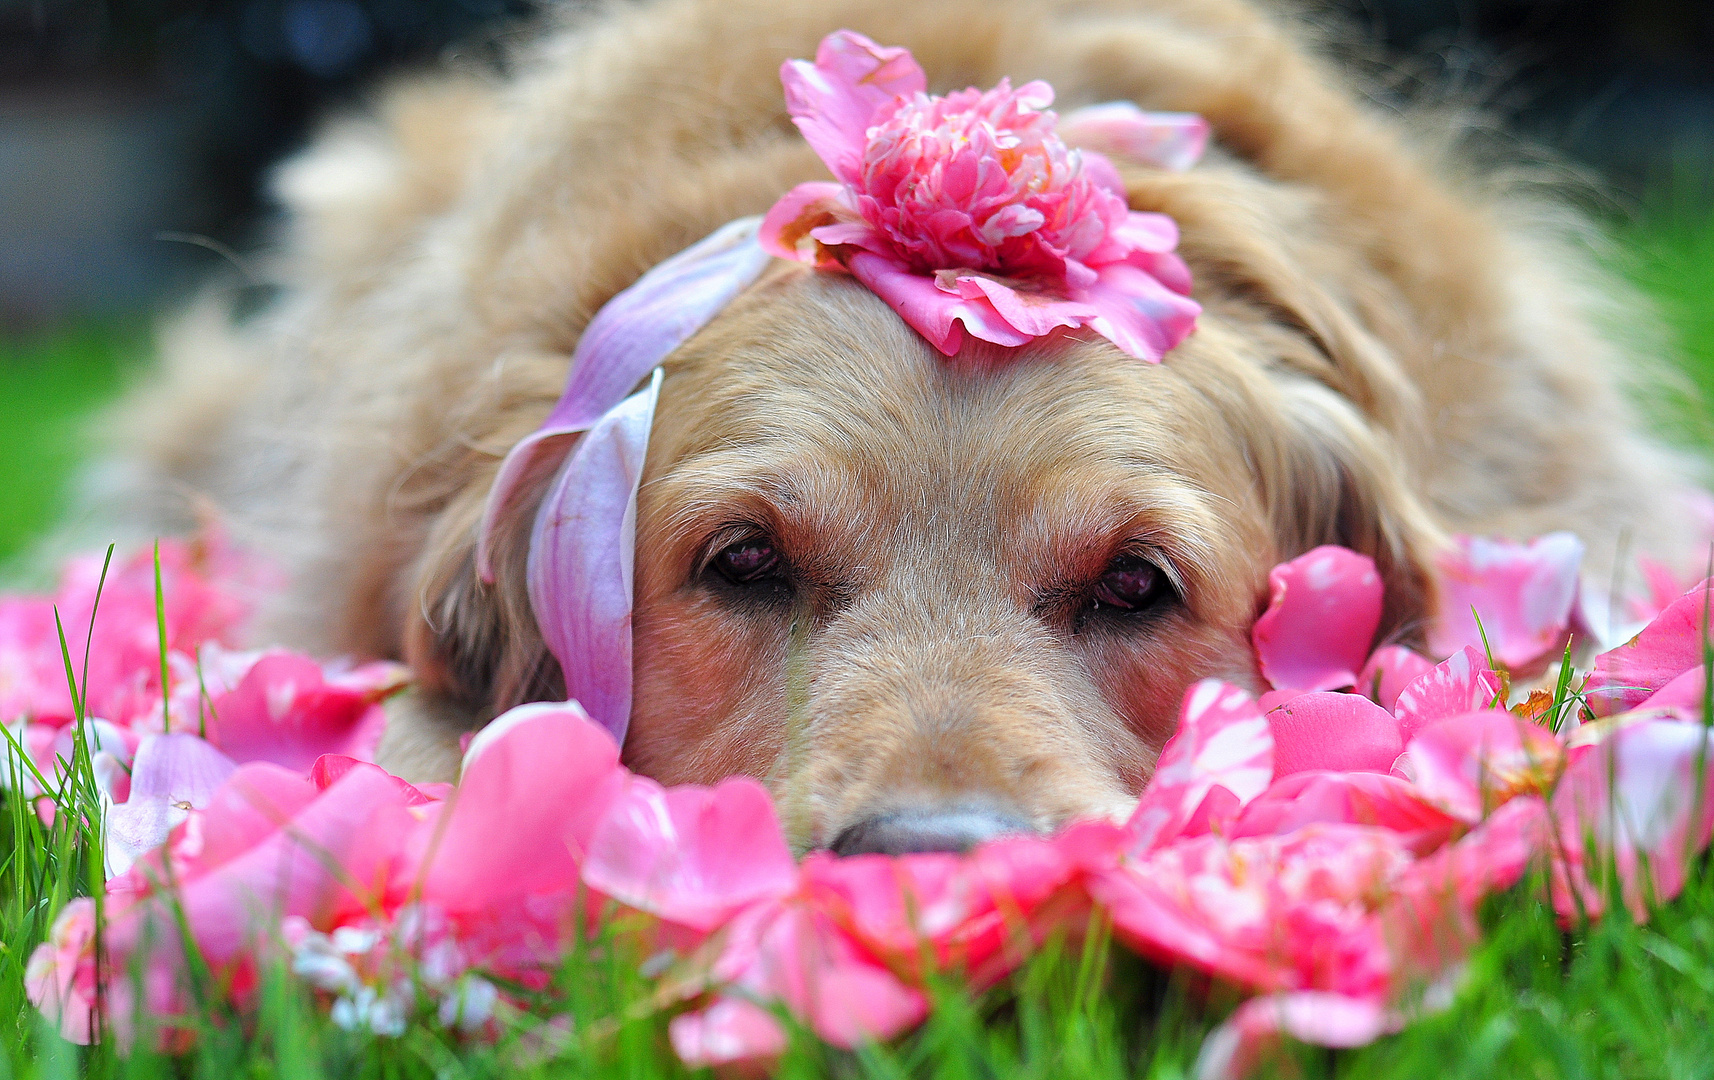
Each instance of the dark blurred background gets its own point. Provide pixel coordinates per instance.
(131, 129)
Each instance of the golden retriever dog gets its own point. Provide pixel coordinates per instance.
(926, 599)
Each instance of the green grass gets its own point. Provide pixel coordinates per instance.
(49, 384)
(1610, 1000)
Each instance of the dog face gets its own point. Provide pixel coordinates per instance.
(933, 599)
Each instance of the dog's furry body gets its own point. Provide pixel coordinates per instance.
(1389, 352)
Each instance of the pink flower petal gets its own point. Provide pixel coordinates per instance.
(627, 339)
(1461, 684)
(1239, 1046)
(1687, 693)
(1341, 732)
(939, 316)
(286, 712)
(1467, 765)
(1320, 621)
(1390, 669)
(1171, 141)
(1524, 593)
(536, 783)
(786, 229)
(835, 100)
(1138, 311)
(60, 977)
(792, 953)
(1222, 740)
(1634, 804)
(729, 1032)
(690, 855)
(171, 776)
(1665, 650)
(580, 564)
(1357, 798)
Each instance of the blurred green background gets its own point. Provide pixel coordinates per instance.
(136, 136)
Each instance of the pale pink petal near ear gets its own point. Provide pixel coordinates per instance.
(1321, 619)
(1468, 765)
(1463, 683)
(1222, 740)
(1238, 1047)
(691, 855)
(1526, 595)
(1342, 732)
(580, 563)
(627, 339)
(729, 1032)
(834, 101)
(1635, 804)
(1171, 141)
(1669, 646)
(1390, 669)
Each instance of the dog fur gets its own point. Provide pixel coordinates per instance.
(1394, 347)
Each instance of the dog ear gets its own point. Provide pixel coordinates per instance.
(474, 643)
(1333, 478)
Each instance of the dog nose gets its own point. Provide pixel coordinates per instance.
(898, 832)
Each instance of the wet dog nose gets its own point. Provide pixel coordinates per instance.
(898, 832)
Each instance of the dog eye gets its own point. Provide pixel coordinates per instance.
(748, 561)
(1131, 583)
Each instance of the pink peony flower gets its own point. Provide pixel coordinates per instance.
(969, 212)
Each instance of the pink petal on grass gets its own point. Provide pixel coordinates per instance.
(729, 1034)
(1463, 683)
(1468, 765)
(1340, 732)
(792, 953)
(171, 776)
(1688, 693)
(536, 783)
(1635, 805)
(1321, 619)
(1667, 648)
(582, 551)
(59, 979)
(834, 101)
(285, 711)
(1354, 798)
(1525, 594)
(1171, 141)
(1240, 1046)
(691, 855)
(1390, 669)
(1222, 741)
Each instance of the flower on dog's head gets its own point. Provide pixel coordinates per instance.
(970, 212)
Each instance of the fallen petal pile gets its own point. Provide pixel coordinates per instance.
(1322, 847)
